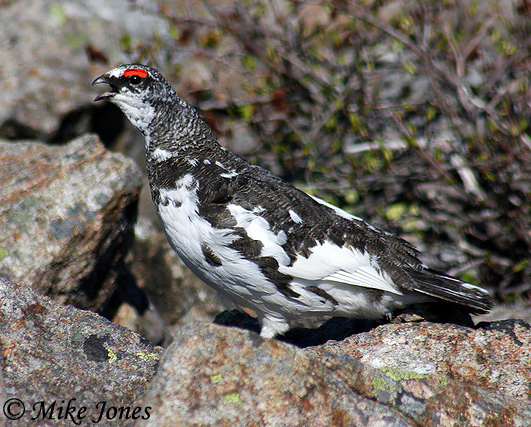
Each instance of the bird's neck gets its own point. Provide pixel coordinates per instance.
(176, 126)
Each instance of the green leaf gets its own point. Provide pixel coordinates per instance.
(57, 12)
(249, 62)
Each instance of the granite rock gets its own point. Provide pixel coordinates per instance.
(212, 375)
(495, 356)
(429, 399)
(66, 218)
(52, 353)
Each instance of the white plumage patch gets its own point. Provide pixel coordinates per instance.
(257, 228)
(230, 172)
(331, 263)
(192, 161)
(467, 285)
(344, 214)
(116, 72)
(295, 217)
(337, 210)
(161, 155)
(139, 113)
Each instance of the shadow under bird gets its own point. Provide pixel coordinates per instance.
(257, 240)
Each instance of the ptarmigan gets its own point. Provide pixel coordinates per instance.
(257, 240)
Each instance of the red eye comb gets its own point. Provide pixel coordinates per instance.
(135, 72)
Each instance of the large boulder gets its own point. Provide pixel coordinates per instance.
(66, 218)
(213, 375)
(495, 356)
(54, 356)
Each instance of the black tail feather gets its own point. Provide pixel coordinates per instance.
(441, 286)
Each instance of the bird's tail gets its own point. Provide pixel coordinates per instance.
(430, 282)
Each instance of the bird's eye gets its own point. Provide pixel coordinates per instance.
(135, 79)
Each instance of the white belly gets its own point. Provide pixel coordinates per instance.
(237, 278)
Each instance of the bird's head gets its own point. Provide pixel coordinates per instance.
(152, 106)
(140, 91)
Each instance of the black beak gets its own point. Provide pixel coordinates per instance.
(106, 95)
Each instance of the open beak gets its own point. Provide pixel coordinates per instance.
(106, 95)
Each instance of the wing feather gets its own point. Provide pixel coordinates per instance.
(329, 262)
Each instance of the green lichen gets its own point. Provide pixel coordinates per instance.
(379, 384)
(112, 355)
(233, 398)
(216, 378)
(3, 252)
(399, 375)
(20, 217)
(147, 356)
